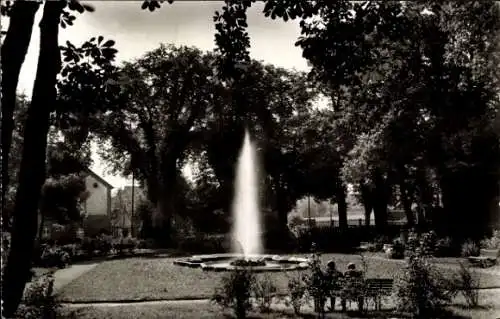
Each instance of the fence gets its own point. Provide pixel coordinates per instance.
(330, 237)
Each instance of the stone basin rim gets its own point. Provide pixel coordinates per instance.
(270, 257)
(208, 262)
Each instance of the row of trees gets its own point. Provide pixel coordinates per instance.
(413, 90)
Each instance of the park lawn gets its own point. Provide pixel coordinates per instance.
(490, 308)
(136, 279)
(154, 279)
(185, 311)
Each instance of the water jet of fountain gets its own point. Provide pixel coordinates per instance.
(245, 209)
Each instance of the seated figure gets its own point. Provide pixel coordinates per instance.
(353, 281)
(333, 277)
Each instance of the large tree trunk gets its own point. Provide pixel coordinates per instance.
(162, 221)
(14, 49)
(32, 171)
(406, 201)
(282, 209)
(366, 198)
(341, 197)
(380, 202)
(425, 195)
(469, 196)
(281, 204)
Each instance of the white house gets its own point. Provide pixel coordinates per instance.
(97, 206)
(96, 210)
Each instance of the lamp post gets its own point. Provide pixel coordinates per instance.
(132, 232)
(309, 212)
(331, 214)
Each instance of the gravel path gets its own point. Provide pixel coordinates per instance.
(64, 276)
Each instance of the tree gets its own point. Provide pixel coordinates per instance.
(32, 168)
(64, 189)
(322, 177)
(272, 101)
(165, 94)
(15, 161)
(465, 89)
(14, 48)
(349, 43)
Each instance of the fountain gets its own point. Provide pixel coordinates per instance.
(246, 233)
(246, 230)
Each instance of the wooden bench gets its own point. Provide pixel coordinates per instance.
(375, 288)
(486, 258)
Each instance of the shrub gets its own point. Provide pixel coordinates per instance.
(146, 244)
(470, 248)
(421, 290)
(374, 247)
(380, 241)
(39, 301)
(397, 251)
(71, 250)
(125, 245)
(296, 291)
(201, 243)
(302, 236)
(444, 247)
(235, 292)
(54, 256)
(493, 242)
(427, 243)
(413, 242)
(103, 244)
(467, 283)
(264, 290)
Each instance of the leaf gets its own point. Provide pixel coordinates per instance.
(267, 8)
(79, 8)
(88, 7)
(99, 39)
(145, 4)
(109, 43)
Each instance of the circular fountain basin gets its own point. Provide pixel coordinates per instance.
(257, 263)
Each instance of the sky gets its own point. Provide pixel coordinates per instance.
(190, 23)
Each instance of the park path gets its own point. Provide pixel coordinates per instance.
(64, 276)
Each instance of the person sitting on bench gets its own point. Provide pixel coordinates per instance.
(333, 275)
(353, 279)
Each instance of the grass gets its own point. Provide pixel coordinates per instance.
(135, 279)
(197, 310)
(490, 309)
(153, 279)
(146, 278)
(185, 311)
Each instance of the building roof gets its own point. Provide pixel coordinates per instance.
(99, 178)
